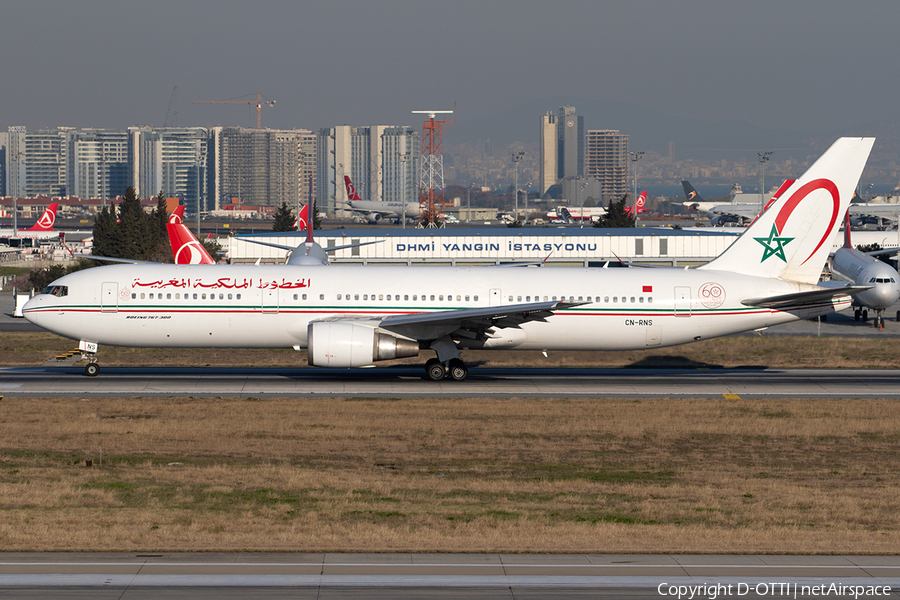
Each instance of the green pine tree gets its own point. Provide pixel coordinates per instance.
(284, 219)
(616, 215)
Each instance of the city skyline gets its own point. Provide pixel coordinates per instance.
(706, 76)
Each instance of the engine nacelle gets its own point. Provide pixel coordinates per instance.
(341, 344)
(374, 217)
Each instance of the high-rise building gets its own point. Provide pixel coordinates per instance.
(171, 161)
(46, 157)
(549, 171)
(372, 158)
(257, 167)
(15, 162)
(570, 139)
(607, 160)
(98, 163)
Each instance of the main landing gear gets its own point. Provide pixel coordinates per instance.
(92, 369)
(455, 369)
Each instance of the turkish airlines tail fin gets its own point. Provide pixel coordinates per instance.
(185, 247)
(302, 218)
(351, 191)
(792, 239)
(177, 215)
(46, 221)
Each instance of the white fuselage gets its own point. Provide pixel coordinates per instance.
(390, 209)
(859, 268)
(270, 306)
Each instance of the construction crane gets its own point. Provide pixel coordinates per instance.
(259, 104)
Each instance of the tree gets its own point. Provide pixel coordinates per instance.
(616, 215)
(126, 231)
(284, 219)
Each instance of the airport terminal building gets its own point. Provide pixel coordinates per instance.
(569, 246)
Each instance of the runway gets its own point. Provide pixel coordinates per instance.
(517, 576)
(409, 381)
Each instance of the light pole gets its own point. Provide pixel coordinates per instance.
(763, 159)
(404, 156)
(516, 157)
(635, 156)
(469, 202)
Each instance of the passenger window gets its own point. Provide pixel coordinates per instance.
(615, 299)
(441, 298)
(356, 297)
(519, 298)
(650, 300)
(380, 296)
(297, 297)
(168, 296)
(321, 296)
(467, 298)
(142, 295)
(178, 296)
(641, 299)
(239, 296)
(476, 298)
(133, 295)
(365, 296)
(406, 296)
(632, 299)
(432, 297)
(229, 296)
(415, 297)
(221, 296)
(195, 296)
(151, 295)
(203, 296)
(606, 298)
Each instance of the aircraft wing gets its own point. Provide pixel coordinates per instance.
(129, 261)
(473, 323)
(328, 249)
(835, 289)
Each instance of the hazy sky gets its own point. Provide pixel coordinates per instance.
(803, 66)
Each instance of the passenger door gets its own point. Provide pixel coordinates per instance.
(109, 297)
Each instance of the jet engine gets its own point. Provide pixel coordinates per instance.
(342, 344)
(374, 217)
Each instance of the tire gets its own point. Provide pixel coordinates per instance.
(434, 370)
(92, 369)
(856, 315)
(458, 370)
(865, 316)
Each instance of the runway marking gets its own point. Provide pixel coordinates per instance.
(731, 396)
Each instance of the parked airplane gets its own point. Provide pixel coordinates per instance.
(374, 210)
(860, 268)
(42, 229)
(177, 215)
(354, 316)
(638, 207)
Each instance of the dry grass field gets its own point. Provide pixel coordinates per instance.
(450, 475)
(774, 351)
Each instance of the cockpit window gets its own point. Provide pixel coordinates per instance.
(56, 290)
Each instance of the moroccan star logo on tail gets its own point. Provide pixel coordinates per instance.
(773, 245)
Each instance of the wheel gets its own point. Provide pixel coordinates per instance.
(865, 316)
(435, 370)
(458, 370)
(857, 314)
(92, 369)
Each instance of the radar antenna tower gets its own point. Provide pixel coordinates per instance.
(431, 181)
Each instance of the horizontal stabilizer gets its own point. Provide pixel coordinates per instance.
(800, 299)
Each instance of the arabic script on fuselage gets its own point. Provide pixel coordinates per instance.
(223, 283)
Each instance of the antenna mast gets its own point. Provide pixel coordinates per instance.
(431, 182)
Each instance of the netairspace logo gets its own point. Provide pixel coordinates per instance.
(775, 590)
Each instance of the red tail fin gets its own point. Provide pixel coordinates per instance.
(351, 191)
(185, 247)
(300, 221)
(177, 215)
(45, 223)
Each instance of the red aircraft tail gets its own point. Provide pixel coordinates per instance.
(177, 215)
(45, 223)
(185, 247)
(351, 191)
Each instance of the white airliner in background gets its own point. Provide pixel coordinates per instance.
(354, 316)
(42, 229)
(861, 268)
(374, 210)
